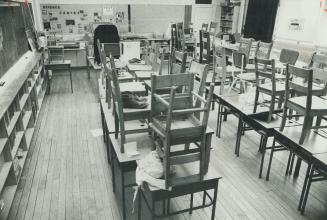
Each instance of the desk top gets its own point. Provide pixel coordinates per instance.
(314, 143)
(322, 158)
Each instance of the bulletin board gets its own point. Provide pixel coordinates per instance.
(77, 19)
(13, 40)
(302, 21)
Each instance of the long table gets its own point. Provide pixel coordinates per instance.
(313, 151)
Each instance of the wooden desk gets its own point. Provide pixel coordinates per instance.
(59, 65)
(152, 196)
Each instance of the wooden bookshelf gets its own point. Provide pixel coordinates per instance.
(229, 16)
(21, 99)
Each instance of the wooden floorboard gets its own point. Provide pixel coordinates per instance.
(66, 175)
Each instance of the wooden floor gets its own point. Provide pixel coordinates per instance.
(66, 175)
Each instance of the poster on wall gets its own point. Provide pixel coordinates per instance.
(296, 24)
(108, 11)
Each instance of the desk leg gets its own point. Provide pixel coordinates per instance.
(304, 188)
(264, 145)
(270, 159)
(191, 204)
(71, 79)
(239, 135)
(123, 193)
(309, 181)
(219, 118)
(297, 167)
(213, 212)
(113, 158)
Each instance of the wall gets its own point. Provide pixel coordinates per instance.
(311, 18)
(134, 2)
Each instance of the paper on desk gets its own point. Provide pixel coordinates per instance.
(131, 149)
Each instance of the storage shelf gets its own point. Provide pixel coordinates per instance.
(13, 122)
(7, 196)
(26, 118)
(18, 140)
(4, 173)
(23, 100)
(3, 142)
(28, 135)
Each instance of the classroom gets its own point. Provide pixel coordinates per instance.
(163, 109)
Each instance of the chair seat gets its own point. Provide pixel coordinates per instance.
(135, 87)
(139, 67)
(230, 69)
(248, 76)
(280, 87)
(317, 103)
(145, 74)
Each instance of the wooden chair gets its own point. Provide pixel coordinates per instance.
(200, 72)
(178, 62)
(205, 47)
(253, 51)
(300, 81)
(272, 88)
(173, 123)
(239, 62)
(237, 37)
(264, 50)
(220, 67)
(245, 47)
(123, 115)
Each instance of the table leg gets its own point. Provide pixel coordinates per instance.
(139, 211)
(218, 120)
(191, 204)
(309, 181)
(264, 145)
(112, 166)
(304, 187)
(123, 194)
(270, 159)
(239, 135)
(288, 163)
(71, 79)
(213, 212)
(297, 167)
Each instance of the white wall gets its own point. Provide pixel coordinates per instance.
(314, 22)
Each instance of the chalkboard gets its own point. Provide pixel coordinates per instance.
(13, 40)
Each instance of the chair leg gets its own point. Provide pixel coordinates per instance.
(282, 125)
(318, 121)
(280, 102)
(116, 125)
(271, 108)
(256, 101)
(305, 128)
(305, 199)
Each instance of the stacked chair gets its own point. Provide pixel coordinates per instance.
(174, 122)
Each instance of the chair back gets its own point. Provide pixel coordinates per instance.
(299, 80)
(180, 36)
(237, 37)
(245, 47)
(112, 48)
(265, 69)
(204, 27)
(239, 59)
(253, 50)
(178, 62)
(205, 47)
(174, 38)
(264, 50)
(319, 65)
(56, 53)
(219, 66)
(213, 28)
(288, 56)
(201, 71)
